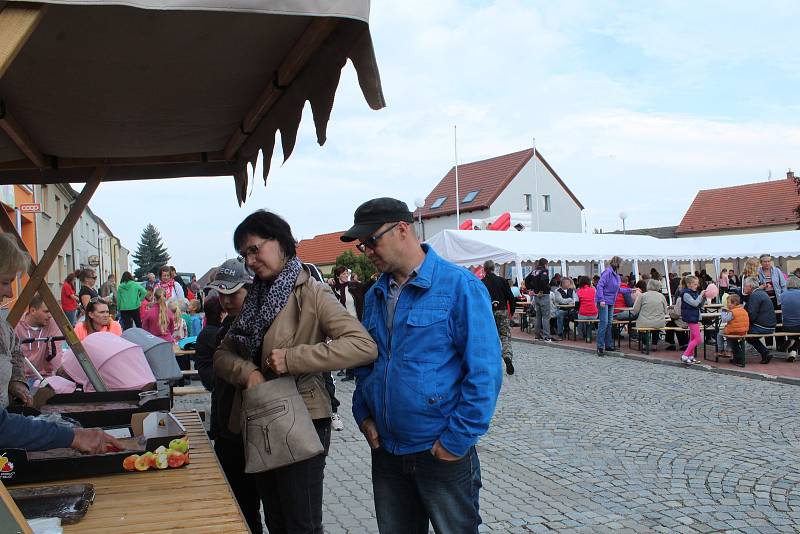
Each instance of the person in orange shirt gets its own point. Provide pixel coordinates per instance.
(98, 319)
(738, 325)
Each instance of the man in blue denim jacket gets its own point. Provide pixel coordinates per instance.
(432, 391)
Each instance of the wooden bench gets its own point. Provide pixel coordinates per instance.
(591, 322)
(644, 348)
(180, 391)
(739, 340)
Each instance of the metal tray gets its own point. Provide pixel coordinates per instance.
(70, 502)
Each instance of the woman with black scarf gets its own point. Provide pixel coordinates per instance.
(289, 325)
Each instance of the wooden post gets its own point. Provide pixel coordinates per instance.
(318, 30)
(59, 316)
(17, 22)
(51, 254)
(11, 519)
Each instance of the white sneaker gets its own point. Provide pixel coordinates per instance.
(337, 423)
(792, 355)
(686, 359)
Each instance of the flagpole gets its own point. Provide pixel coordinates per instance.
(536, 182)
(455, 150)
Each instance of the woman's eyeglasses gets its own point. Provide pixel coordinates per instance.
(372, 242)
(252, 250)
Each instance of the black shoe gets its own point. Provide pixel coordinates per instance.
(348, 378)
(765, 359)
(509, 366)
(739, 364)
(600, 352)
(612, 349)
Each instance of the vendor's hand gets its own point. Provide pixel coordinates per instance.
(94, 441)
(438, 451)
(370, 431)
(602, 304)
(255, 379)
(19, 391)
(277, 361)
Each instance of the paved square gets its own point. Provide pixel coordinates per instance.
(584, 444)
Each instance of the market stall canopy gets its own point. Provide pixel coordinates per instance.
(170, 88)
(468, 248)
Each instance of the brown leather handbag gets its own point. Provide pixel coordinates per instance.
(276, 427)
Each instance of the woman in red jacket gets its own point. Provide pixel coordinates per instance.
(69, 299)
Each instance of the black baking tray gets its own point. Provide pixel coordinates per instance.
(103, 409)
(69, 503)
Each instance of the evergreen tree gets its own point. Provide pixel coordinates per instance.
(151, 253)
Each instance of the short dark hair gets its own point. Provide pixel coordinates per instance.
(337, 272)
(36, 302)
(583, 281)
(126, 277)
(165, 269)
(213, 311)
(268, 225)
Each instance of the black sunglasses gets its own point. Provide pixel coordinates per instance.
(372, 242)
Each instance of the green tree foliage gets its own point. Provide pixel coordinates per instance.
(151, 253)
(359, 264)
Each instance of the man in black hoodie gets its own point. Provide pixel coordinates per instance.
(538, 283)
(502, 305)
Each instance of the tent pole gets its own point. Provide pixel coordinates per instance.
(59, 316)
(563, 268)
(635, 271)
(518, 267)
(294, 62)
(666, 282)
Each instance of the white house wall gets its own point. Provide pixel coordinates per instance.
(437, 224)
(565, 215)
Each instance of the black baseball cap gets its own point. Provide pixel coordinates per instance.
(373, 214)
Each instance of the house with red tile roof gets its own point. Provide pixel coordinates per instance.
(743, 209)
(509, 183)
(322, 250)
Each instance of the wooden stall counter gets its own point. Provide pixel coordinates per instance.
(195, 498)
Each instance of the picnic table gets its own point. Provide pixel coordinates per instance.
(195, 498)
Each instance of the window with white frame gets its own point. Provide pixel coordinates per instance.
(527, 202)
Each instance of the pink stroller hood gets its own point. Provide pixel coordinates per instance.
(121, 364)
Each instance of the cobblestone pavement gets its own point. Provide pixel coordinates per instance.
(583, 444)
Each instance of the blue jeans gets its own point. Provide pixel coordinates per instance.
(604, 332)
(756, 342)
(413, 489)
(72, 316)
(585, 329)
(560, 315)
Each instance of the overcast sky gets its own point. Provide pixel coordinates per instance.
(635, 109)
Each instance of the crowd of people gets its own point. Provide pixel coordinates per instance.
(749, 304)
(424, 340)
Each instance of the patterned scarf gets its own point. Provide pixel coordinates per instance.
(168, 287)
(263, 303)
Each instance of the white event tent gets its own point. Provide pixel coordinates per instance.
(471, 248)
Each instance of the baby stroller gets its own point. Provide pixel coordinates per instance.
(121, 364)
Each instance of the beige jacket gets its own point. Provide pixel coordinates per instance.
(651, 308)
(310, 318)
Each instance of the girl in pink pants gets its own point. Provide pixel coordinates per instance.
(691, 303)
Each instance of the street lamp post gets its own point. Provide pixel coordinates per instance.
(623, 216)
(420, 203)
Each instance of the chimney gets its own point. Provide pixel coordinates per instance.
(790, 174)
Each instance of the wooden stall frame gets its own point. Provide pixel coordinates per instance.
(59, 316)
